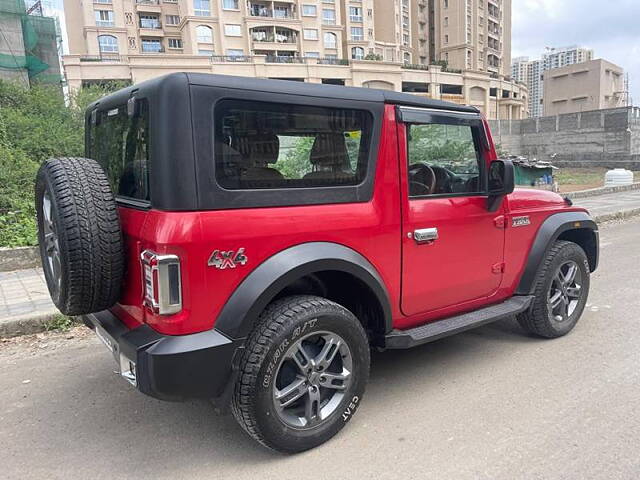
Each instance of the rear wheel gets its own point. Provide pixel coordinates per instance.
(303, 374)
(562, 288)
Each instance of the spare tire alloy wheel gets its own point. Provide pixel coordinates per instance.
(51, 248)
(79, 233)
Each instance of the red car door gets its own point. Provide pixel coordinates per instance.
(452, 244)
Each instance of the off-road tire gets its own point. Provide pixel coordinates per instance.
(281, 324)
(86, 226)
(537, 320)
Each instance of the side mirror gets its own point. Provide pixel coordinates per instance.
(501, 182)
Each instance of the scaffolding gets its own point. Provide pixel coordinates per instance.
(28, 43)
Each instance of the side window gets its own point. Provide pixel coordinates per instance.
(120, 144)
(443, 160)
(261, 145)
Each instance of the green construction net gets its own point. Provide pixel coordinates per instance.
(28, 43)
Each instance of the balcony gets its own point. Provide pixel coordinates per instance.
(284, 59)
(272, 10)
(104, 57)
(148, 6)
(231, 58)
(274, 38)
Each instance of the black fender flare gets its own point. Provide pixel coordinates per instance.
(260, 287)
(554, 226)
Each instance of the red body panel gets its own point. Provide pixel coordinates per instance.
(457, 272)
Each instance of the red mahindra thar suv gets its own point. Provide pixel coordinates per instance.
(248, 241)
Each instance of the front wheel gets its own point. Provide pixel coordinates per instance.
(562, 288)
(303, 374)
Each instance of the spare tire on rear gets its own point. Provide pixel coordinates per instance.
(79, 235)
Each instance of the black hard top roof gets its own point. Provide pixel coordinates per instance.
(322, 90)
(280, 86)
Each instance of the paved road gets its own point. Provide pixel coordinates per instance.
(488, 404)
(611, 203)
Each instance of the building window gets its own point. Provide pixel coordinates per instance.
(149, 21)
(446, 3)
(235, 52)
(357, 53)
(104, 18)
(310, 34)
(446, 21)
(330, 40)
(173, 19)
(233, 30)
(204, 34)
(309, 11)
(230, 5)
(446, 39)
(328, 16)
(312, 54)
(175, 43)
(407, 58)
(204, 52)
(405, 39)
(357, 34)
(128, 18)
(108, 44)
(151, 45)
(355, 14)
(104, 2)
(132, 42)
(201, 8)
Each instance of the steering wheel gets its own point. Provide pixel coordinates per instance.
(426, 173)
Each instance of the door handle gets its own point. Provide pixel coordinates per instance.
(425, 235)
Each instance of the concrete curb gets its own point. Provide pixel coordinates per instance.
(26, 324)
(621, 215)
(19, 258)
(594, 192)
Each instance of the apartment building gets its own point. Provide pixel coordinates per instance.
(531, 72)
(472, 34)
(388, 44)
(581, 87)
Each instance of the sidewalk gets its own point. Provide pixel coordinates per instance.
(25, 304)
(614, 205)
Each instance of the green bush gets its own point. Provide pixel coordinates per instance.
(35, 124)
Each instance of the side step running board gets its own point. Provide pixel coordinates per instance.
(430, 332)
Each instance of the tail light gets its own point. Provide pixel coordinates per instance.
(162, 282)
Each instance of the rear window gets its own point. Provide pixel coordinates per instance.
(120, 144)
(261, 145)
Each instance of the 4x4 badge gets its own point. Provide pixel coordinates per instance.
(227, 259)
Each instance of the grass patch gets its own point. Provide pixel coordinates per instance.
(60, 323)
(573, 179)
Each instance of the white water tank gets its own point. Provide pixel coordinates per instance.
(618, 176)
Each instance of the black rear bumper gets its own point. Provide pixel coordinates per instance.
(170, 367)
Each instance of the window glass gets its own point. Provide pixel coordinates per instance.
(108, 44)
(443, 159)
(201, 8)
(233, 30)
(264, 145)
(121, 145)
(309, 10)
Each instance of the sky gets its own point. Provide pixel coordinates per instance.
(611, 28)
